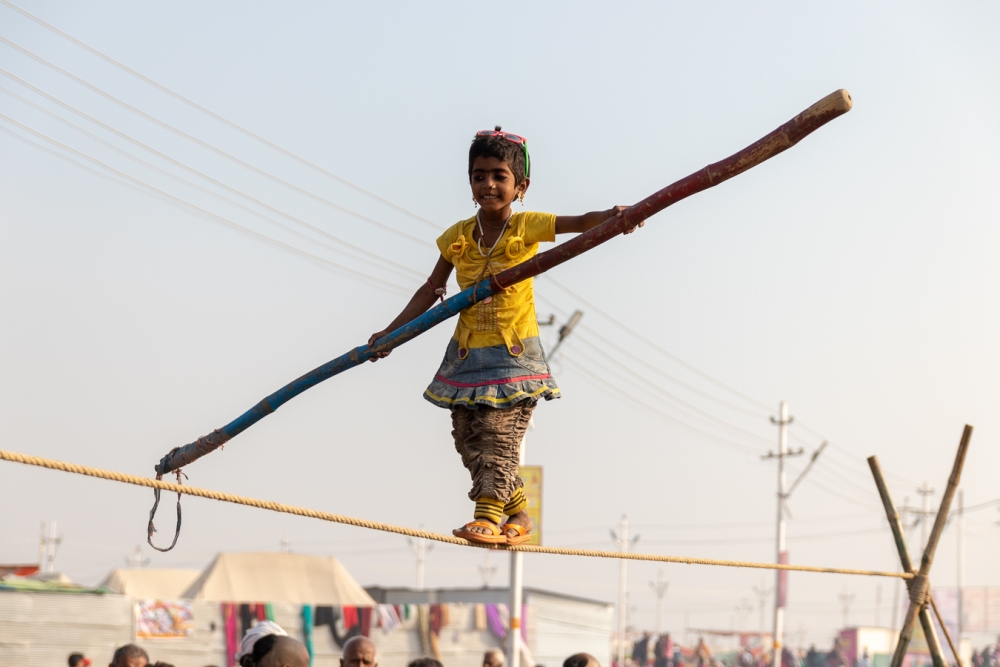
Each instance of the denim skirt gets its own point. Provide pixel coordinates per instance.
(492, 376)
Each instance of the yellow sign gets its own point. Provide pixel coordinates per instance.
(532, 478)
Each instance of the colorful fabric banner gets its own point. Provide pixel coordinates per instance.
(159, 618)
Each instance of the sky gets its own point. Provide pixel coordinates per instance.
(150, 297)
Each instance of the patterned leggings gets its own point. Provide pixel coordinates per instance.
(489, 441)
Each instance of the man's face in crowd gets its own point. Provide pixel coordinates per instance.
(359, 653)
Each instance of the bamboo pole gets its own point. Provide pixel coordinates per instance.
(933, 644)
(920, 585)
(944, 629)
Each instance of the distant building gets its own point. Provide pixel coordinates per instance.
(557, 625)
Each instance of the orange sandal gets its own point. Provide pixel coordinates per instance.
(523, 534)
(497, 536)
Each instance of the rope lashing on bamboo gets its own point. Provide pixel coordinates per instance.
(52, 464)
(919, 588)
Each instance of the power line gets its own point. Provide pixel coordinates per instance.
(666, 375)
(633, 400)
(186, 167)
(177, 201)
(216, 116)
(706, 416)
(212, 148)
(656, 347)
(409, 272)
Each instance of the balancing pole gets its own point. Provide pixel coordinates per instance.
(919, 586)
(832, 106)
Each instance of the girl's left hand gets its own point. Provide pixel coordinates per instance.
(619, 211)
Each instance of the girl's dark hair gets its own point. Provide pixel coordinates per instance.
(501, 149)
(261, 648)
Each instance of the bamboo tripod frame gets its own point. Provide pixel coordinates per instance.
(921, 602)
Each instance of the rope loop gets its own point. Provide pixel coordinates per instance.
(150, 528)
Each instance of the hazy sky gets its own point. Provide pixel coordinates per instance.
(854, 276)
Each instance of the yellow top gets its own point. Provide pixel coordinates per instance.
(507, 317)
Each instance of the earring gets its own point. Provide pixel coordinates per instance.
(475, 203)
(520, 198)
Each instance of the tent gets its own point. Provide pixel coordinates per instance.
(278, 577)
(150, 583)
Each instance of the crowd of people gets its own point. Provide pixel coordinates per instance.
(988, 657)
(658, 652)
(268, 645)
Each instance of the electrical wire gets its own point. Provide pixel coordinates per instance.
(755, 540)
(689, 406)
(666, 375)
(409, 273)
(189, 169)
(212, 148)
(633, 400)
(981, 506)
(690, 409)
(221, 119)
(656, 347)
(177, 201)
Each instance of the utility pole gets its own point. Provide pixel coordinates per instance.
(781, 576)
(623, 542)
(846, 600)
(43, 548)
(762, 593)
(904, 515)
(47, 545)
(925, 513)
(565, 330)
(486, 570)
(961, 569)
(744, 609)
(517, 577)
(517, 557)
(420, 548)
(660, 589)
(136, 561)
(878, 604)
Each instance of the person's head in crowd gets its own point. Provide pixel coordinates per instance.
(359, 652)
(162, 664)
(425, 662)
(129, 655)
(78, 660)
(254, 634)
(581, 660)
(276, 651)
(494, 658)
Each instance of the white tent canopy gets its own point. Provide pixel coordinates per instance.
(278, 577)
(151, 583)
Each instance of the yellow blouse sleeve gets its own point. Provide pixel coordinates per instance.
(452, 243)
(539, 227)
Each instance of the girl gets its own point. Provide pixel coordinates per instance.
(494, 370)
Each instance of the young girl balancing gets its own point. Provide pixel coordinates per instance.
(494, 370)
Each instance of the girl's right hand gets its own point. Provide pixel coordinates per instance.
(371, 341)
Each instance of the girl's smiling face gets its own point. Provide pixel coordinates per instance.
(493, 185)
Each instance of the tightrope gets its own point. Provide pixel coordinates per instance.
(52, 464)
